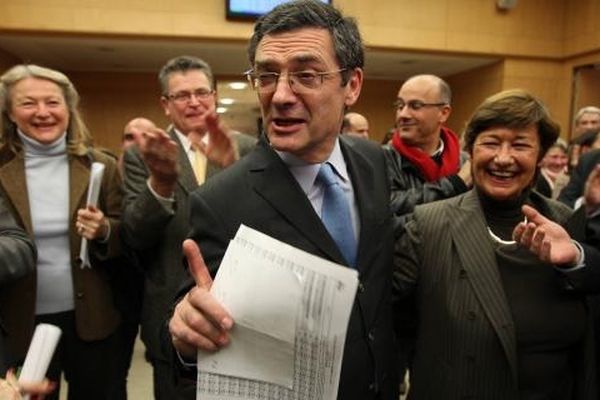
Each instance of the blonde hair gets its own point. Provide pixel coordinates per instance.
(78, 137)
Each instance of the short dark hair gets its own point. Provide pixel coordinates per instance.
(293, 15)
(513, 109)
(183, 64)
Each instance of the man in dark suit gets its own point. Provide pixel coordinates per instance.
(158, 176)
(307, 69)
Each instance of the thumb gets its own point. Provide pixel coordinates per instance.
(196, 264)
(533, 215)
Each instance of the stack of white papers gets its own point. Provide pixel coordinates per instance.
(291, 312)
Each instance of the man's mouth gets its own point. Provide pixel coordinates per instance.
(287, 121)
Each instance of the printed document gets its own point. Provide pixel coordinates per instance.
(291, 312)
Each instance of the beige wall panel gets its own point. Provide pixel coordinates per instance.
(589, 88)
(492, 43)
(110, 100)
(204, 18)
(585, 94)
(375, 103)
(545, 80)
(581, 33)
(479, 26)
(439, 25)
(469, 89)
(573, 98)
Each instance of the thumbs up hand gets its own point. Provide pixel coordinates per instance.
(199, 321)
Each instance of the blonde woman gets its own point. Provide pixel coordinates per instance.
(45, 162)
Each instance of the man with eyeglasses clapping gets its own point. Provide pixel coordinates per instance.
(159, 175)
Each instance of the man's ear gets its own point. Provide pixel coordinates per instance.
(354, 86)
(164, 103)
(445, 113)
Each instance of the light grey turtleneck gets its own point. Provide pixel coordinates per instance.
(47, 174)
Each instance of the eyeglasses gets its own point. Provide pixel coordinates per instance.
(300, 82)
(185, 97)
(415, 105)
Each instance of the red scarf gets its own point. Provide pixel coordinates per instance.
(431, 170)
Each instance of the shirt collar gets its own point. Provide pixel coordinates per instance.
(306, 173)
(439, 150)
(185, 142)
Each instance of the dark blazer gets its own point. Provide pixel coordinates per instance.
(17, 259)
(156, 235)
(260, 192)
(579, 175)
(466, 343)
(409, 188)
(95, 314)
(542, 186)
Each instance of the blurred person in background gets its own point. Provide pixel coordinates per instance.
(355, 124)
(553, 170)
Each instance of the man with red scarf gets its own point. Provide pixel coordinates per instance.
(424, 157)
(424, 164)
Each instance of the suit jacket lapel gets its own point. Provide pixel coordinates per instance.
(79, 175)
(361, 172)
(289, 199)
(12, 178)
(469, 233)
(187, 179)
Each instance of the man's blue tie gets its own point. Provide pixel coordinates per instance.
(335, 214)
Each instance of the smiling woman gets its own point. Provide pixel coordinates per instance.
(511, 327)
(39, 109)
(45, 162)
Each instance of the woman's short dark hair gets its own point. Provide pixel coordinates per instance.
(513, 109)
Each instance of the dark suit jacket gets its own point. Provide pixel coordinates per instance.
(17, 259)
(95, 314)
(466, 345)
(156, 234)
(260, 192)
(579, 175)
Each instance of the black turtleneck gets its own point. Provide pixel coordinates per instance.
(549, 322)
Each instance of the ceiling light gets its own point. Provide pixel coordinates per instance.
(227, 101)
(238, 85)
(221, 110)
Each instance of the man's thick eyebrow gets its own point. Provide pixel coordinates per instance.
(299, 59)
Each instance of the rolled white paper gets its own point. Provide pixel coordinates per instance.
(44, 342)
(96, 173)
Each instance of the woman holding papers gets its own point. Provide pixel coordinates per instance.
(45, 164)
